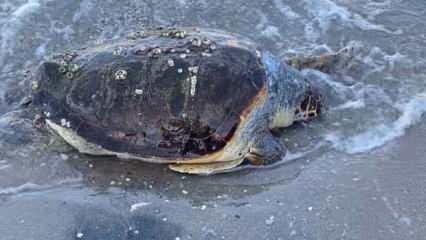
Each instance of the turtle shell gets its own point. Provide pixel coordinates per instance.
(169, 93)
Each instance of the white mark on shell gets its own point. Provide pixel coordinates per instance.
(34, 85)
(74, 68)
(65, 123)
(183, 55)
(258, 54)
(207, 41)
(180, 70)
(193, 80)
(180, 34)
(120, 75)
(119, 51)
(138, 91)
(196, 42)
(193, 69)
(171, 62)
(156, 51)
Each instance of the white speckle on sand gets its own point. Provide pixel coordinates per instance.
(184, 192)
(270, 220)
(171, 63)
(137, 206)
(64, 157)
(310, 209)
(138, 91)
(79, 235)
(405, 220)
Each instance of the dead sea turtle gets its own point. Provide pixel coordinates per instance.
(201, 100)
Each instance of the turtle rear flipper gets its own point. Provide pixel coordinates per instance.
(206, 168)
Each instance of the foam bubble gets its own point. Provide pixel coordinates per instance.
(325, 11)
(286, 10)
(355, 104)
(22, 188)
(29, 186)
(84, 10)
(271, 32)
(11, 28)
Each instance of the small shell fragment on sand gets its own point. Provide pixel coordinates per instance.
(137, 206)
(171, 62)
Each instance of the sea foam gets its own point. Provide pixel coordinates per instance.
(376, 136)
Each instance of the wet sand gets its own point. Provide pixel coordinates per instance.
(380, 195)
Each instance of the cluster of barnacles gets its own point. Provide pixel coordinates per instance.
(205, 45)
(65, 66)
(120, 74)
(65, 123)
(173, 33)
(136, 35)
(201, 45)
(119, 51)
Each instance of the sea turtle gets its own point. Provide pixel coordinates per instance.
(201, 100)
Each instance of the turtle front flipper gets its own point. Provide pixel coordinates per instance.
(326, 62)
(266, 150)
(206, 168)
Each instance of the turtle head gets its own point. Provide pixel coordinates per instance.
(293, 98)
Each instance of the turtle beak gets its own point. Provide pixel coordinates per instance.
(254, 157)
